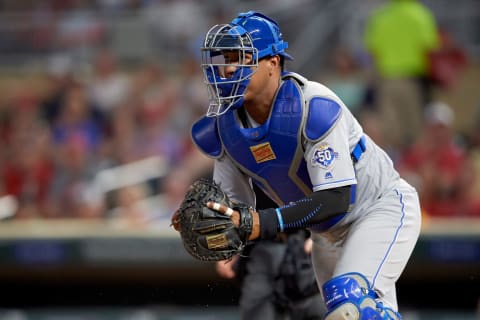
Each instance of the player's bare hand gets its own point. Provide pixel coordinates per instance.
(235, 216)
(225, 210)
(175, 221)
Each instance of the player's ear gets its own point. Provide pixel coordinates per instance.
(273, 63)
(276, 61)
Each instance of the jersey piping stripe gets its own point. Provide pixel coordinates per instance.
(323, 184)
(394, 237)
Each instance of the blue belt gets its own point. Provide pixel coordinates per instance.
(359, 149)
(357, 152)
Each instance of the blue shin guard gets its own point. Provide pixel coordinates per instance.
(349, 297)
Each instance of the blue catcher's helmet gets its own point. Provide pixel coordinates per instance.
(251, 36)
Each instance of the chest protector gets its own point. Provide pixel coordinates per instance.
(271, 154)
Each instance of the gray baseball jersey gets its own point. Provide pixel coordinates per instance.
(377, 236)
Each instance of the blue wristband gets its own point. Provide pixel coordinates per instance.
(280, 219)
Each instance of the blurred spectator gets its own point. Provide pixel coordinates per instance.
(122, 133)
(74, 171)
(130, 209)
(155, 89)
(174, 25)
(174, 187)
(110, 7)
(447, 62)
(193, 166)
(77, 137)
(435, 163)
(108, 87)
(399, 36)
(77, 121)
(348, 80)
(156, 100)
(79, 29)
(43, 21)
(59, 78)
(371, 123)
(193, 98)
(471, 170)
(28, 169)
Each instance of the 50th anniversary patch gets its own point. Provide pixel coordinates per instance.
(324, 156)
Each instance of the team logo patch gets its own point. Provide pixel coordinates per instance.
(324, 156)
(263, 152)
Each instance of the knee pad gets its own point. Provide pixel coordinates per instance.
(350, 297)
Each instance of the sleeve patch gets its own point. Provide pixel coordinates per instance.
(324, 156)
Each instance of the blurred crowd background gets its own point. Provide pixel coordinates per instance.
(97, 98)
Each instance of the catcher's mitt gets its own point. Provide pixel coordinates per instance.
(208, 234)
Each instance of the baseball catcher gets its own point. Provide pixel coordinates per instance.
(211, 235)
(297, 141)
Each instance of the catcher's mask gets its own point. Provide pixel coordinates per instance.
(230, 56)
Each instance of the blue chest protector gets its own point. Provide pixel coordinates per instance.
(271, 154)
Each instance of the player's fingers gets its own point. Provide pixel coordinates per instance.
(175, 221)
(220, 208)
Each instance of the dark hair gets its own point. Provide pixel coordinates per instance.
(282, 63)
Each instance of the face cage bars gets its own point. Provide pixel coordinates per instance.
(225, 92)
